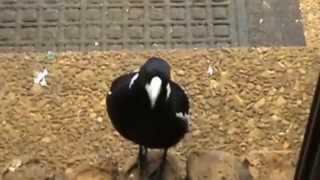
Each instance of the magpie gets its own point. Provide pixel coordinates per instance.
(148, 108)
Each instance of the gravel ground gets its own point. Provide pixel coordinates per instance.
(311, 19)
(255, 104)
(256, 100)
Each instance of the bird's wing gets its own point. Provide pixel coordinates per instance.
(180, 101)
(121, 82)
(118, 96)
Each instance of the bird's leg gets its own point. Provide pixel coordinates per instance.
(142, 158)
(163, 163)
(160, 170)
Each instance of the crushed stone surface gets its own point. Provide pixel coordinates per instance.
(251, 100)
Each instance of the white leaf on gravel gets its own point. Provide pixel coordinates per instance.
(51, 55)
(210, 71)
(15, 164)
(41, 78)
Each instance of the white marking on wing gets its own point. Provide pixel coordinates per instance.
(133, 79)
(183, 116)
(168, 91)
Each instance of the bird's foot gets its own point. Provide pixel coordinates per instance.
(158, 173)
(142, 161)
(142, 169)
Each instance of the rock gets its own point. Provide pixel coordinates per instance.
(216, 165)
(103, 171)
(46, 140)
(11, 98)
(16, 163)
(239, 101)
(86, 75)
(180, 72)
(26, 169)
(256, 133)
(92, 115)
(93, 173)
(260, 103)
(281, 101)
(275, 118)
(214, 84)
(273, 165)
(302, 71)
(196, 132)
(232, 131)
(250, 86)
(171, 170)
(100, 119)
(251, 123)
(37, 90)
(286, 145)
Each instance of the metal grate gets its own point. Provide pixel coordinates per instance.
(118, 24)
(84, 25)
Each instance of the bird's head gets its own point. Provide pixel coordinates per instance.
(154, 77)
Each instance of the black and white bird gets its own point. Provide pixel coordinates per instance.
(149, 109)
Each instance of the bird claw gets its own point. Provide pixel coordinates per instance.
(141, 167)
(157, 174)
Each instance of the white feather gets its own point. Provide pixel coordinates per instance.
(183, 116)
(133, 79)
(168, 91)
(153, 89)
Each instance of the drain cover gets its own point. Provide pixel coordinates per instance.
(60, 25)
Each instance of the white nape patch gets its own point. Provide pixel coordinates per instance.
(153, 89)
(133, 79)
(183, 116)
(168, 91)
(109, 93)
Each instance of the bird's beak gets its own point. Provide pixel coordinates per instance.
(153, 89)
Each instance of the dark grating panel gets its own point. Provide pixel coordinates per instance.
(84, 25)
